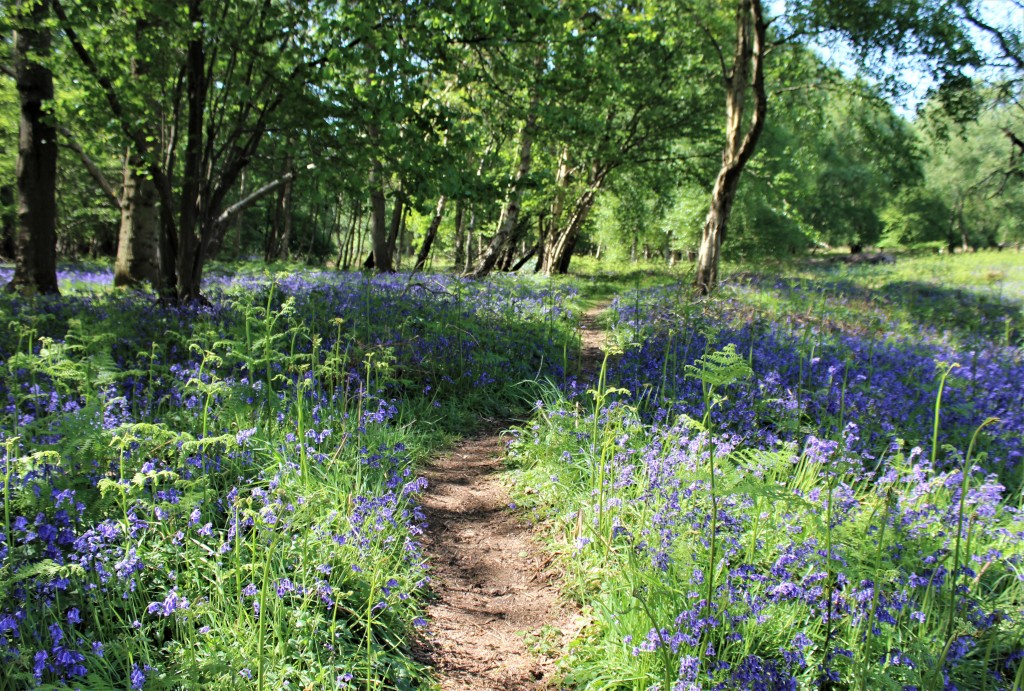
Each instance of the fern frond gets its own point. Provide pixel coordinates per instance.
(720, 368)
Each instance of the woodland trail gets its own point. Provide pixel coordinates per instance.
(495, 586)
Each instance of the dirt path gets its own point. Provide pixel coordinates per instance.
(593, 339)
(491, 578)
(495, 588)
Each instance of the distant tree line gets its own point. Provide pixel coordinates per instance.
(492, 135)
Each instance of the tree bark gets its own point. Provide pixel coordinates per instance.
(526, 257)
(395, 227)
(470, 236)
(356, 233)
(345, 243)
(138, 245)
(189, 258)
(280, 239)
(403, 245)
(380, 257)
(542, 236)
(747, 70)
(428, 240)
(560, 243)
(460, 234)
(35, 251)
(8, 221)
(509, 219)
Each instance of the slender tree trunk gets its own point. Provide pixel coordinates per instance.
(338, 235)
(460, 233)
(470, 236)
(509, 218)
(314, 224)
(542, 238)
(355, 229)
(428, 240)
(35, 250)
(138, 245)
(747, 70)
(403, 245)
(464, 234)
(236, 222)
(570, 247)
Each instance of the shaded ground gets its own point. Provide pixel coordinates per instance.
(498, 621)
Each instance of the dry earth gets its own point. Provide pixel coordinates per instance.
(495, 588)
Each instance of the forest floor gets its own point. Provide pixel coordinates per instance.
(498, 620)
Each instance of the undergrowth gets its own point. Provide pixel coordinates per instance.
(758, 492)
(226, 496)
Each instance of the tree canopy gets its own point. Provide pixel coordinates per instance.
(515, 131)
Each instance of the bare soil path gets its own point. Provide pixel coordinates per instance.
(495, 586)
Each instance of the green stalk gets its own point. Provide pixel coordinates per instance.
(708, 391)
(862, 667)
(664, 365)
(263, 612)
(964, 486)
(938, 407)
(9, 461)
(300, 427)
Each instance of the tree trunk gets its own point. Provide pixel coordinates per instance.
(559, 244)
(509, 219)
(542, 236)
(428, 240)
(35, 251)
(400, 238)
(8, 221)
(189, 259)
(358, 230)
(740, 146)
(279, 245)
(236, 221)
(526, 257)
(559, 240)
(380, 257)
(138, 245)
(570, 246)
(345, 244)
(508, 256)
(397, 211)
(460, 234)
(470, 235)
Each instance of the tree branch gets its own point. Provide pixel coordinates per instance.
(97, 174)
(996, 33)
(241, 204)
